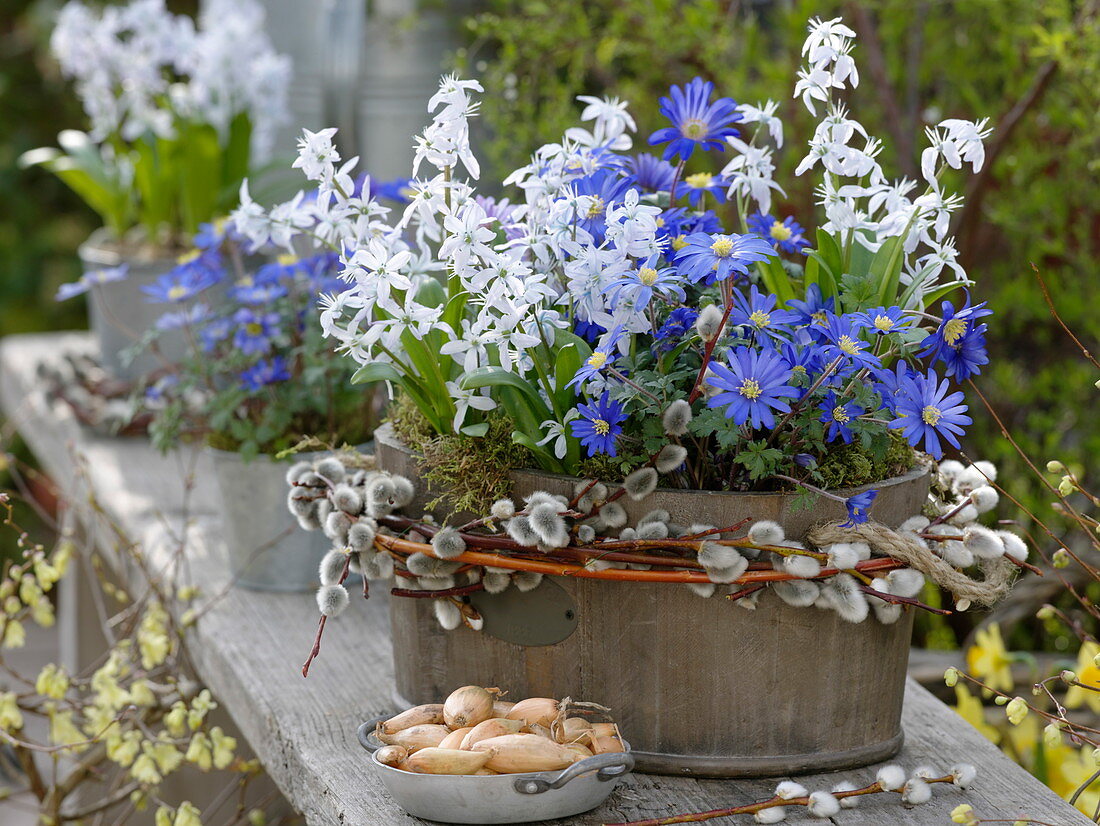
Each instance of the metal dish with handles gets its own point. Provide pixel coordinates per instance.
(501, 798)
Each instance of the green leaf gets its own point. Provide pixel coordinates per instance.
(495, 377)
(376, 371)
(236, 156)
(547, 460)
(198, 165)
(476, 430)
(886, 269)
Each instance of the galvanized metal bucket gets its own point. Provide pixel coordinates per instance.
(268, 551)
(120, 314)
(704, 687)
(502, 798)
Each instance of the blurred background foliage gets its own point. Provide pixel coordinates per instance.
(1031, 66)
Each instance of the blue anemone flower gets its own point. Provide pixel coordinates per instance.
(90, 279)
(264, 372)
(836, 416)
(885, 320)
(603, 356)
(954, 326)
(188, 317)
(640, 285)
(704, 183)
(605, 187)
(888, 383)
(858, 506)
(787, 235)
(254, 330)
(927, 411)
(753, 385)
(180, 284)
(679, 321)
(696, 121)
(590, 331)
(709, 258)
(758, 313)
(815, 309)
(966, 356)
(599, 426)
(651, 172)
(399, 190)
(844, 342)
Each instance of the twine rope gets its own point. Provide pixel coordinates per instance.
(997, 573)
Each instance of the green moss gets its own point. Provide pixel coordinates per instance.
(850, 466)
(467, 474)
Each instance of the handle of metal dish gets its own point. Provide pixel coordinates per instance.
(366, 730)
(606, 766)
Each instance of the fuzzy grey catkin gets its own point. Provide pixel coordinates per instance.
(655, 515)
(403, 491)
(447, 614)
(708, 322)
(805, 567)
(296, 471)
(702, 589)
(542, 497)
(309, 521)
(436, 583)
(496, 583)
(1015, 547)
(714, 555)
(448, 543)
(613, 515)
(729, 573)
(347, 499)
(519, 528)
(750, 602)
(800, 593)
(380, 490)
(905, 582)
(378, 566)
(332, 567)
(332, 469)
(670, 458)
(886, 612)
(586, 534)
(361, 534)
(548, 524)
(310, 479)
(324, 508)
(336, 527)
(983, 543)
(424, 565)
(843, 556)
(300, 506)
(503, 509)
(676, 418)
(640, 483)
(848, 600)
(766, 532)
(332, 600)
(652, 530)
(527, 580)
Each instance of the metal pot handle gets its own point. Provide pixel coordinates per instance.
(606, 766)
(367, 729)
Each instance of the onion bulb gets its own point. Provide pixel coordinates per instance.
(416, 716)
(467, 706)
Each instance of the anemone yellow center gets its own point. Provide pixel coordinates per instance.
(841, 415)
(700, 180)
(253, 328)
(678, 243)
(818, 317)
(693, 128)
(595, 210)
(953, 330)
(780, 231)
(884, 323)
(188, 257)
(798, 370)
(286, 259)
(722, 246)
(750, 389)
(849, 345)
(760, 318)
(660, 222)
(931, 415)
(601, 427)
(648, 276)
(245, 281)
(597, 360)
(177, 292)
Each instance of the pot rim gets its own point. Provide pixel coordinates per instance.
(103, 249)
(386, 434)
(270, 457)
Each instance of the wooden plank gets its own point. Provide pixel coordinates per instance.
(249, 647)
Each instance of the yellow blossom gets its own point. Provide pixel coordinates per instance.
(200, 706)
(46, 573)
(163, 816)
(988, 660)
(223, 747)
(12, 605)
(970, 709)
(63, 731)
(141, 694)
(108, 693)
(187, 815)
(198, 751)
(964, 814)
(14, 634)
(52, 682)
(29, 591)
(1016, 710)
(42, 613)
(176, 719)
(11, 718)
(1088, 675)
(145, 771)
(257, 817)
(124, 748)
(167, 756)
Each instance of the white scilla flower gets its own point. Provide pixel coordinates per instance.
(526, 580)
(1015, 548)
(775, 814)
(984, 498)
(982, 542)
(676, 418)
(702, 589)
(915, 792)
(963, 774)
(447, 614)
(804, 567)
(800, 593)
(822, 805)
(448, 543)
(788, 790)
(332, 600)
(766, 533)
(640, 483)
(670, 458)
(503, 509)
(332, 567)
(847, 598)
(891, 777)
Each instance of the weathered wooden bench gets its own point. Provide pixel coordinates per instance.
(249, 648)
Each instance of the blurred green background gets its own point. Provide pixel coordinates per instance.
(1032, 66)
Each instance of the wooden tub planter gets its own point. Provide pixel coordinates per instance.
(700, 686)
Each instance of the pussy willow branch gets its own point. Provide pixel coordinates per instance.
(321, 625)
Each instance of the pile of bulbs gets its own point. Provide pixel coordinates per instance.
(474, 732)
